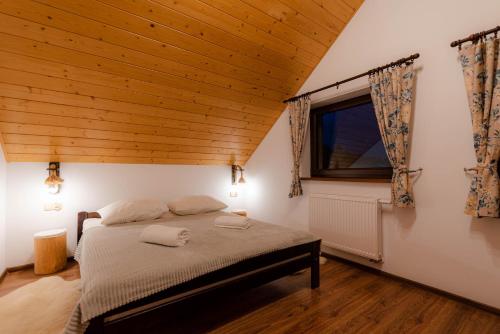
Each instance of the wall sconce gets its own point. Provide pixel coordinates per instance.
(234, 179)
(53, 182)
(234, 174)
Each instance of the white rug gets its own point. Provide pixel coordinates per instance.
(43, 306)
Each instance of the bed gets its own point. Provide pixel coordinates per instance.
(123, 279)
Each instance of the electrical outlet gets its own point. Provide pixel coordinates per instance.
(52, 207)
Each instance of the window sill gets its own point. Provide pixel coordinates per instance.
(345, 179)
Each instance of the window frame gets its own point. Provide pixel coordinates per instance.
(379, 174)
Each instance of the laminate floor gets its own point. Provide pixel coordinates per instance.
(350, 300)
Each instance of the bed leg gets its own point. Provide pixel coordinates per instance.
(315, 265)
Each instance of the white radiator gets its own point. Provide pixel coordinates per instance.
(350, 224)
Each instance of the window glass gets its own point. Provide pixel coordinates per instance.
(351, 139)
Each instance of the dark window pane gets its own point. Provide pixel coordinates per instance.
(351, 139)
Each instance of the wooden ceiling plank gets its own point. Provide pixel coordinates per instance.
(315, 12)
(16, 104)
(251, 99)
(182, 109)
(40, 50)
(4, 149)
(354, 4)
(116, 117)
(33, 65)
(85, 151)
(8, 116)
(81, 88)
(118, 152)
(120, 160)
(99, 143)
(261, 20)
(57, 131)
(265, 48)
(295, 20)
(219, 19)
(90, 11)
(34, 105)
(23, 28)
(154, 81)
(337, 8)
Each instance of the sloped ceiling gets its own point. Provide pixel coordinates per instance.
(154, 81)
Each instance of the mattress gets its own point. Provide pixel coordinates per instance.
(116, 268)
(91, 222)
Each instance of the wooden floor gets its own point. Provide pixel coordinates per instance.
(19, 278)
(350, 300)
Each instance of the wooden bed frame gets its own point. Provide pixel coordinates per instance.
(242, 275)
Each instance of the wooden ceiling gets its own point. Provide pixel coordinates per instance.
(154, 81)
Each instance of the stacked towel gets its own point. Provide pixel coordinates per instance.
(165, 235)
(238, 222)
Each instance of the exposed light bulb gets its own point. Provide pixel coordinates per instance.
(53, 189)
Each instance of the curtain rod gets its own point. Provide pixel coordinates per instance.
(377, 69)
(475, 37)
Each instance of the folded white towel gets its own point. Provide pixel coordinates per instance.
(165, 235)
(238, 222)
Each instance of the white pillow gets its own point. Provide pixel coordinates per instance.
(192, 205)
(131, 210)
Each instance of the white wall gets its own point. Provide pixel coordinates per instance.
(3, 180)
(436, 244)
(88, 187)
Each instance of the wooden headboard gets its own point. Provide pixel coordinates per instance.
(81, 217)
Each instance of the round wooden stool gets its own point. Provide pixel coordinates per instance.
(50, 251)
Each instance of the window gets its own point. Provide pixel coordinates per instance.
(346, 141)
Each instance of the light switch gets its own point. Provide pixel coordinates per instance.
(52, 207)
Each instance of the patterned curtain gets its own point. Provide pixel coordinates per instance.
(482, 81)
(299, 117)
(391, 93)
